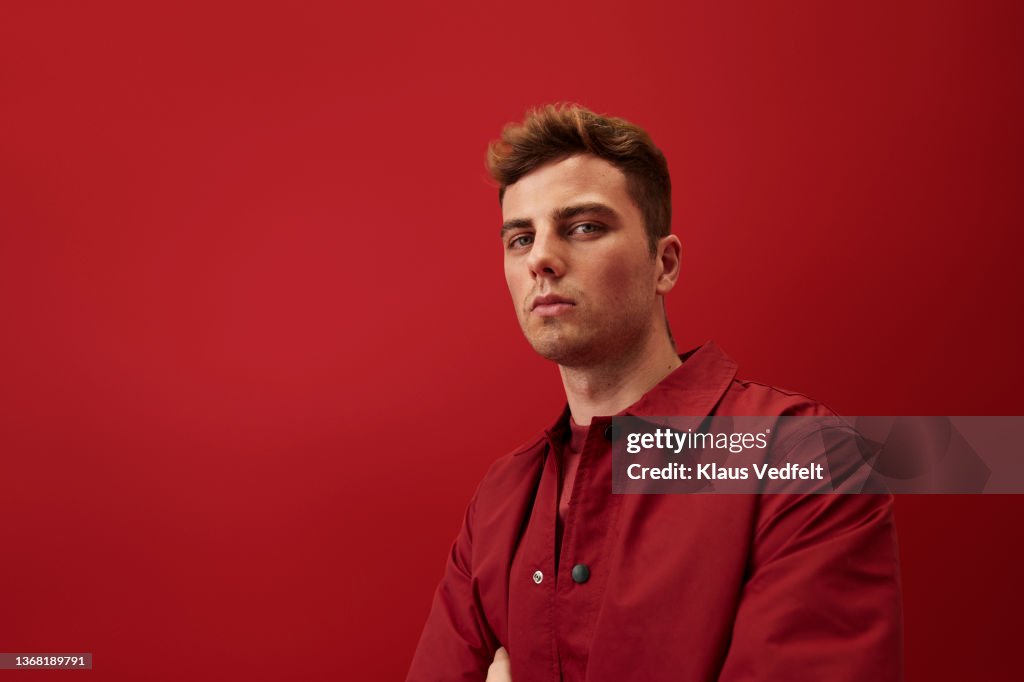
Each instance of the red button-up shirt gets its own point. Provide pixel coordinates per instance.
(680, 587)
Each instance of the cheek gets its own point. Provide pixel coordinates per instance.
(621, 280)
(514, 281)
(509, 277)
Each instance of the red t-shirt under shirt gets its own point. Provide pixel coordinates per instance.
(575, 439)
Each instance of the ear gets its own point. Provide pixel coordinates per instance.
(668, 257)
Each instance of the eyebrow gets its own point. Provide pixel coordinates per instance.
(564, 213)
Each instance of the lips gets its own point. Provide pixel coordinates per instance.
(550, 299)
(551, 304)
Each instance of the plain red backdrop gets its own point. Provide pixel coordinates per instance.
(256, 345)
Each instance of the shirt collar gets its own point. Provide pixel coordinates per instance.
(692, 389)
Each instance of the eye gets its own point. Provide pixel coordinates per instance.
(520, 241)
(585, 228)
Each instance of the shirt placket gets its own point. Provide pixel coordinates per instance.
(582, 567)
(534, 649)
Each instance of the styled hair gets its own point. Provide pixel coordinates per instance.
(554, 132)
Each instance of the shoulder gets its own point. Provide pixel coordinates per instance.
(747, 397)
(807, 431)
(796, 416)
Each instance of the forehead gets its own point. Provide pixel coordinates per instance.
(580, 178)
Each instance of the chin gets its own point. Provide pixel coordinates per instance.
(565, 352)
(578, 345)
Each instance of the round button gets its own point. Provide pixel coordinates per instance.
(580, 573)
(537, 577)
(608, 432)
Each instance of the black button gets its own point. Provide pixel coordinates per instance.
(580, 573)
(608, 432)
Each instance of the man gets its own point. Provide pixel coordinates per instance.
(554, 578)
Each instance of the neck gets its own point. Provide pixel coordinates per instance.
(608, 387)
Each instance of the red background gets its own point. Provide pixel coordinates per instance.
(256, 345)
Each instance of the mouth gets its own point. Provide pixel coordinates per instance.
(551, 305)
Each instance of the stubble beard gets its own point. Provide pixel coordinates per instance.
(582, 344)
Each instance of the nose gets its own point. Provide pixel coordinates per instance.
(546, 258)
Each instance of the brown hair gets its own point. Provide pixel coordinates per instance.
(557, 131)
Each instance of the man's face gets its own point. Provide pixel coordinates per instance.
(577, 262)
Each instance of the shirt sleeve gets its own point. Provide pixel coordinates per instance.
(457, 644)
(822, 597)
